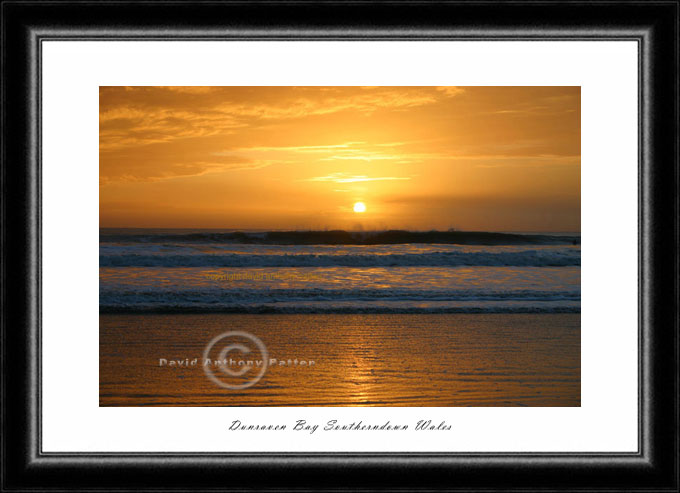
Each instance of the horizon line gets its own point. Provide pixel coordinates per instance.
(307, 230)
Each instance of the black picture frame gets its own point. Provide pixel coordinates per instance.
(653, 24)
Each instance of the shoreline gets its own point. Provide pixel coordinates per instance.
(265, 310)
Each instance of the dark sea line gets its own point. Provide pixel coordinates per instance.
(339, 237)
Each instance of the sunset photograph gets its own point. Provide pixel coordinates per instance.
(340, 246)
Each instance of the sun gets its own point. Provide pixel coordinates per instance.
(359, 207)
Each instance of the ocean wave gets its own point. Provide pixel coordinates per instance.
(170, 300)
(340, 237)
(228, 296)
(527, 258)
(274, 309)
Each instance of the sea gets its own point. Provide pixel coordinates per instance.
(389, 318)
(198, 271)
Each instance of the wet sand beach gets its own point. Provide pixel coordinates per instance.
(349, 360)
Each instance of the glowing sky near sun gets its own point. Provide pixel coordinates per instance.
(473, 158)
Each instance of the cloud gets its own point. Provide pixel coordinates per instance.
(136, 116)
(347, 178)
(540, 160)
(126, 126)
(163, 167)
(318, 148)
(347, 151)
(190, 89)
(462, 206)
(154, 133)
(450, 91)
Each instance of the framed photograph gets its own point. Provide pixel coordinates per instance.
(327, 245)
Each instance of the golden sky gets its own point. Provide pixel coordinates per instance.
(471, 158)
